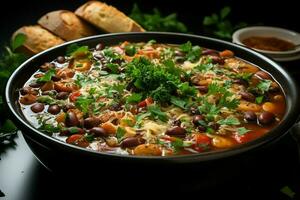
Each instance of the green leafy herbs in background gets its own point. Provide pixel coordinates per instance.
(9, 61)
(157, 22)
(219, 25)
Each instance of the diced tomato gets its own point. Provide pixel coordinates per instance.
(148, 101)
(77, 139)
(74, 96)
(243, 138)
(73, 138)
(202, 139)
(202, 142)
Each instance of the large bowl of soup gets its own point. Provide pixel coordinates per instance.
(149, 98)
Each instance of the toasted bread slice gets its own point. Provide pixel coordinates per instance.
(37, 39)
(107, 18)
(66, 25)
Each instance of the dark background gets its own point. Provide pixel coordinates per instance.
(276, 13)
(25, 177)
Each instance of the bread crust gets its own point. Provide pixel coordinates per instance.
(66, 25)
(107, 18)
(37, 39)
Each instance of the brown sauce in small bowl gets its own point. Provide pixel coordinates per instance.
(268, 43)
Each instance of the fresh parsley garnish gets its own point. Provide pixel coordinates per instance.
(229, 121)
(47, 76)
(264, 85)
(120, 133)
(242, 130)
(192, 53)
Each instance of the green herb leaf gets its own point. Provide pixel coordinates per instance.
(130, 50)
(192, 52)
(120, 133)
(45, 99)
(229, 121)
(47, 76)
(264, 85)
(259, 99)
(288, 191)
(242, 130)
(178, 102)
(8, 127)
(89, 137)
(75, 50)
(49, 128)
(177, 145)
(114, 68)
(134, 98)
(84, 103)
(225, 12)
(156, 22)
(156, 113)
(18, 41)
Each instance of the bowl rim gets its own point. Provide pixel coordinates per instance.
(236, 38)
(205, 156)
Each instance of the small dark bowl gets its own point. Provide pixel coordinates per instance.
(58, 155)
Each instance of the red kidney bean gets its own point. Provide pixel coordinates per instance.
(35, 85)
(217, 60)
(55, 78)
(201, 128)
(62, 95)
(132, 142)
(61, 59)
(241, 82)
(25, 90)
(202, 88)
(71, 119)
(37, 107)
(196, 119)
(250, 116)
(176, 131)
(49, 92)
(214, 125)
(98, 132)
(46, 66)
(210, 52)
(99, 46)
(176, 123)
(247, 96)
(53, 109)
(263, 75)
(91, 122)
(68, 107)
(71, 130)
(266, 117)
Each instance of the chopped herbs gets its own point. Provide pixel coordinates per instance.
(229, 121)
(120, 133)
(134, 98)
(130, 50)
(259, 99)
(242, 130)
(192, 53)
(264, 86)
(47, 76)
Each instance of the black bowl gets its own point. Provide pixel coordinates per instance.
(55, 154)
